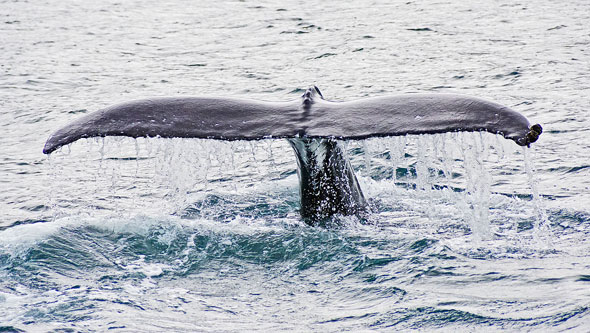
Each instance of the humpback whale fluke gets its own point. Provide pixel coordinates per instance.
(328, 185)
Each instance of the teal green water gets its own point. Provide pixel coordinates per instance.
(192, 275)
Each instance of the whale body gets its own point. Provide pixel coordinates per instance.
(312, 125)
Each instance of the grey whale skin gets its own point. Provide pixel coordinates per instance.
(328, 185)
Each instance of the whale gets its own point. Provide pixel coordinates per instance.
(313, 126)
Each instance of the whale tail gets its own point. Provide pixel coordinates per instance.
(310, 116)
(328, 185)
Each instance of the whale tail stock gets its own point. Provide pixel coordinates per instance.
(311, 124)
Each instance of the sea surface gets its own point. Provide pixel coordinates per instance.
(468, 232)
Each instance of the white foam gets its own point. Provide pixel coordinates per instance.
(19, 238)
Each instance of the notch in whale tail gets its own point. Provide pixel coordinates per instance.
(328, 185)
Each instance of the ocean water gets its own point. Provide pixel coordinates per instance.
(468, 232)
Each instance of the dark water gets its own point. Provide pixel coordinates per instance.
(468, 232)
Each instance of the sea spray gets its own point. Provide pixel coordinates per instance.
(445, 175)
(444, 171)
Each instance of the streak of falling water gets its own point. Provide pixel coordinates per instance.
(137, 151)
(435, 166)
(397, 149)
(541, 232)
(367, 154)
(232, 148)
(423, 177)
(478, 184)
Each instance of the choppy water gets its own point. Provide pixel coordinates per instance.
(190, 235)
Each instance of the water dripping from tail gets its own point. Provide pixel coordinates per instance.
(444, 178)
(541, 232)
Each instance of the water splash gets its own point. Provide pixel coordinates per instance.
(443, 179)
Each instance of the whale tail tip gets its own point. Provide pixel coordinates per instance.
(533, 134)
(318, 91)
